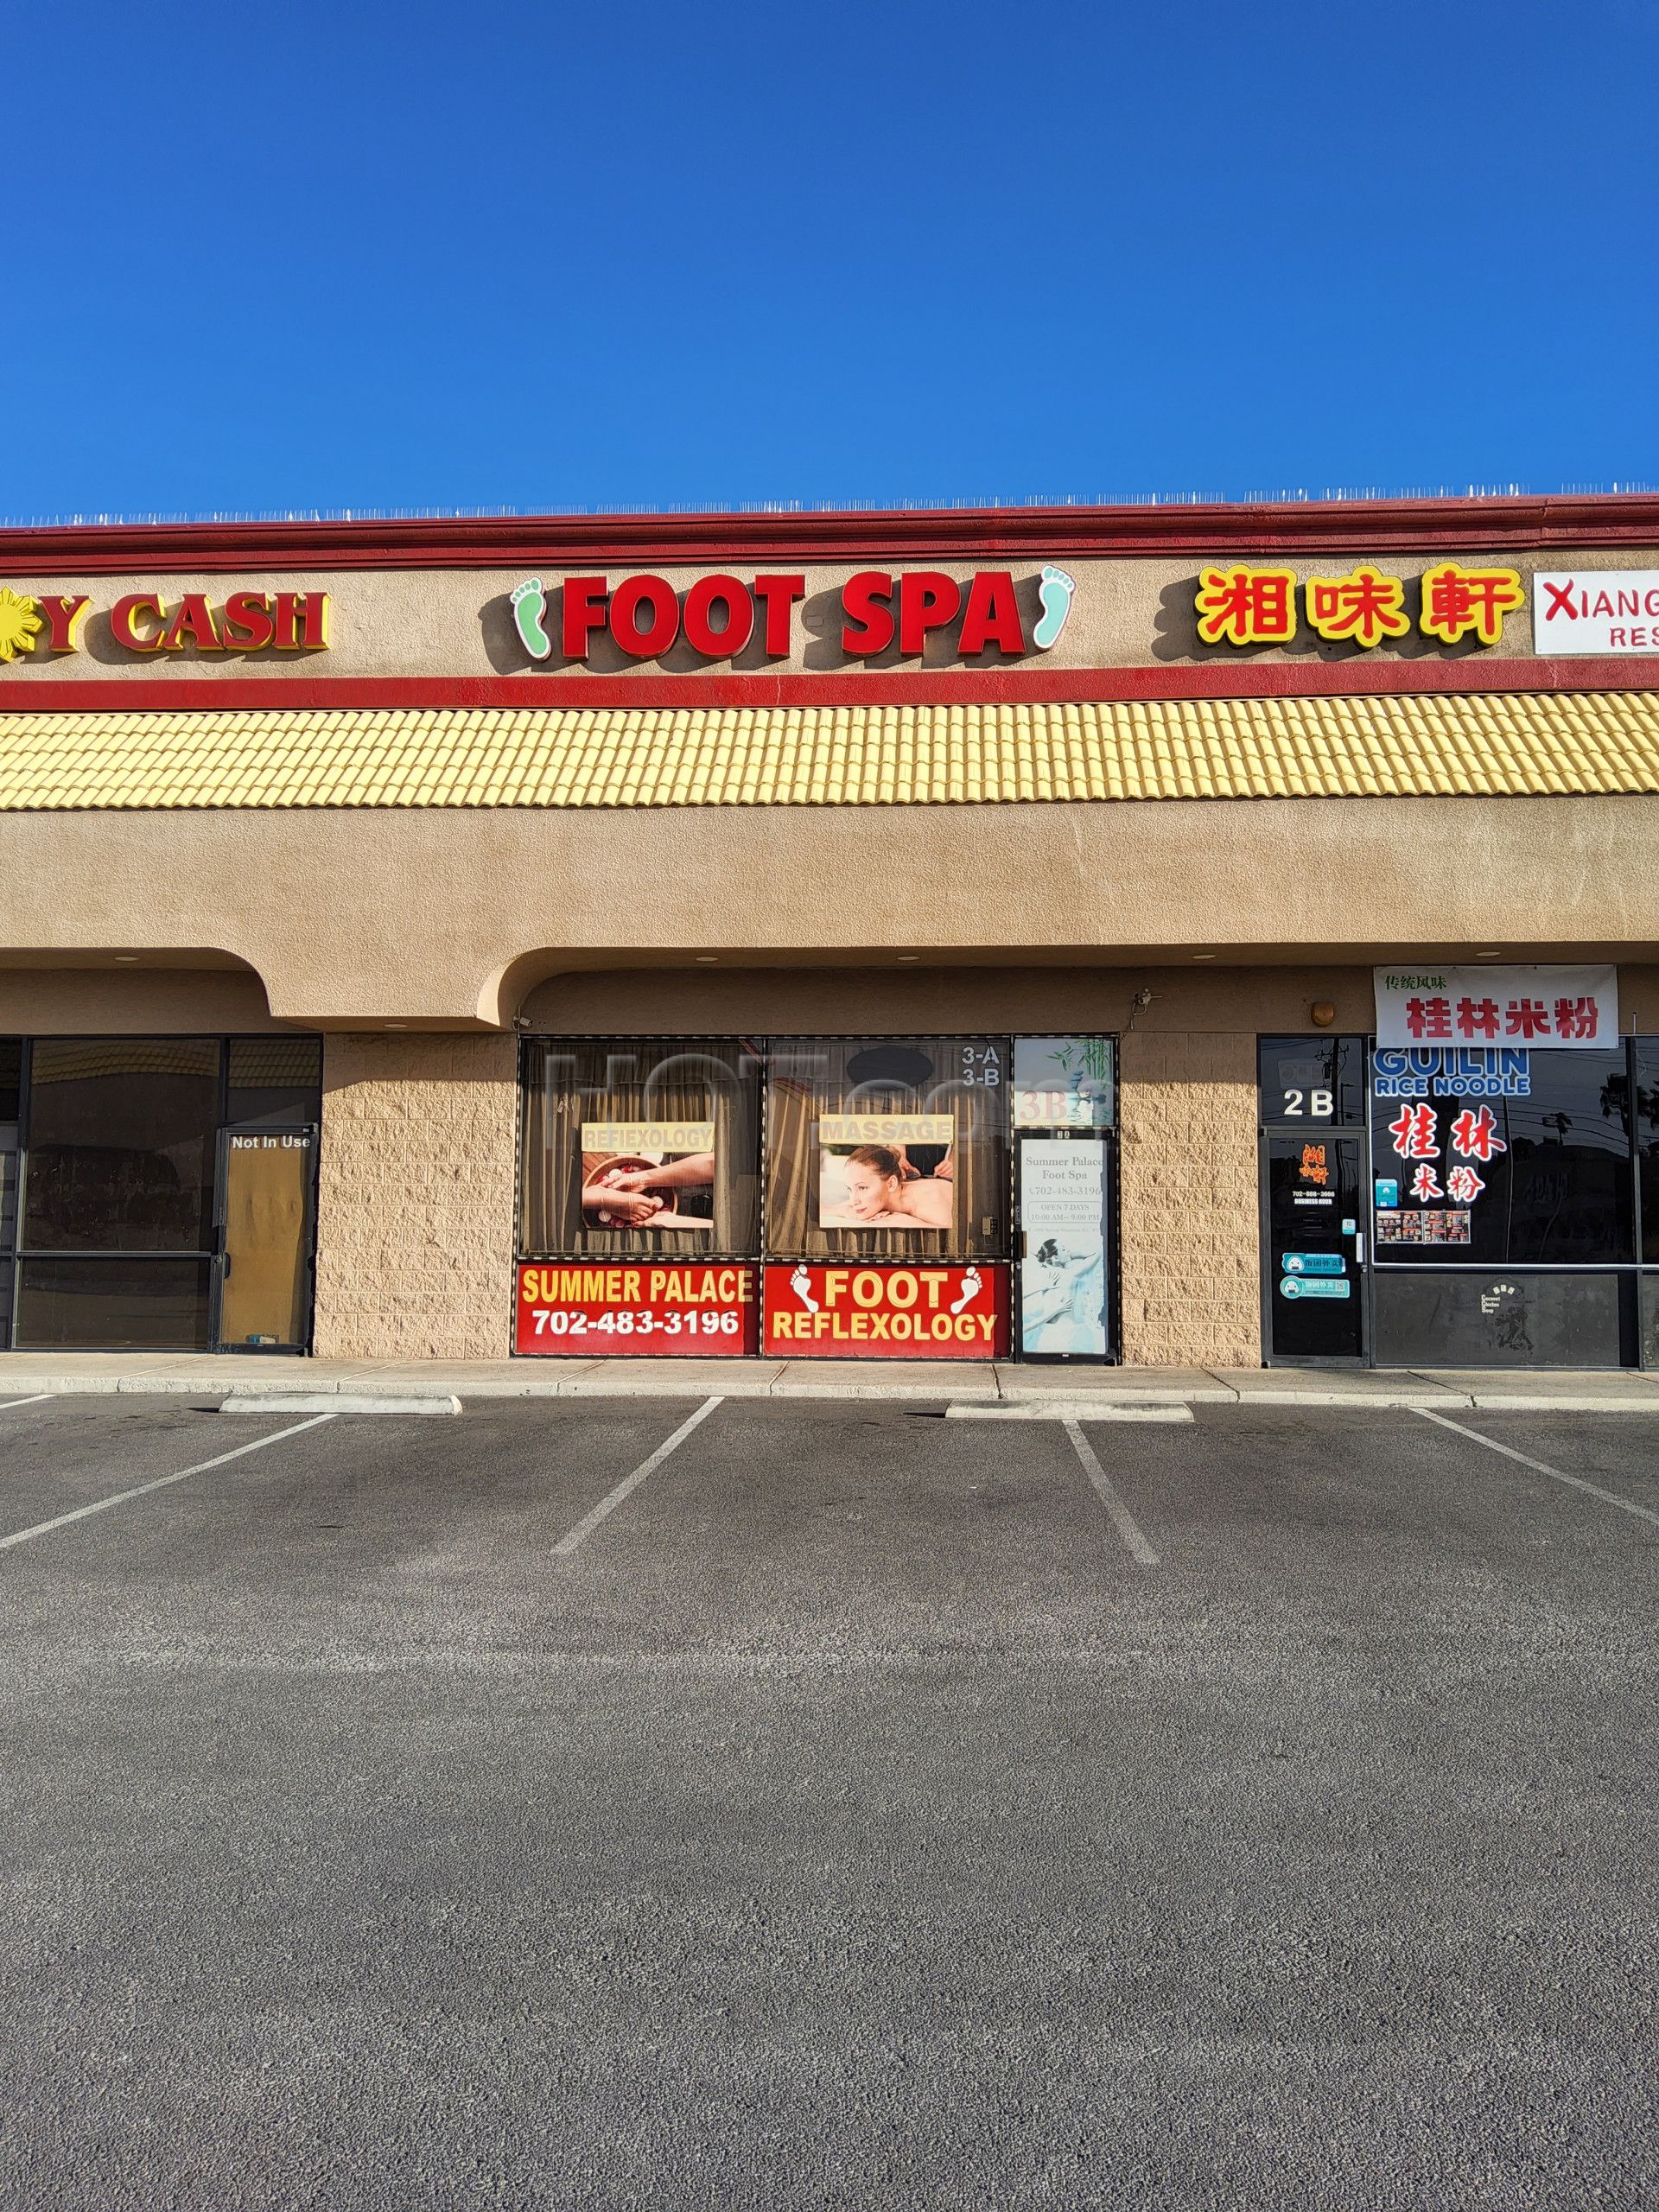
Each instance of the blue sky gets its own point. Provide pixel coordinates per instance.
(542, 255)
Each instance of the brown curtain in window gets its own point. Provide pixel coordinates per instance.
(639, 1079)
(966, 1077)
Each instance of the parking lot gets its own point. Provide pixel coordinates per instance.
(861, 1806)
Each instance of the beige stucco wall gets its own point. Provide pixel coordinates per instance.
(449, 917)
(106, 1001)
(414, 1221)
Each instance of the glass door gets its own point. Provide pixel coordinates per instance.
(266, 1182)
(1315, 1247)
(8, 1225)
(1065, 1113)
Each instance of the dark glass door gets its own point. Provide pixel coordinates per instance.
(1315, 1247)
(8, 1224)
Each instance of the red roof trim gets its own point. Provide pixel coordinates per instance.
(938, 687)
(1607, 521)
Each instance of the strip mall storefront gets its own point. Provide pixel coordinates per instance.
(1181, 936)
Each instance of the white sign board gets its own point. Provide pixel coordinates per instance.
(1534, 1008)
(1596, 611)
(1063, 1276)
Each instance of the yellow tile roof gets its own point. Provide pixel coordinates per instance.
(1503, 743)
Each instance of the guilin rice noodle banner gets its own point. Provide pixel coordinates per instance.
(1485, 1009)
(887, 1171)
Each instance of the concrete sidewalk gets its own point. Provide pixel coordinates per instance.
(31, 1374)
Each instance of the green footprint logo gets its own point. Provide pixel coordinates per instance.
(528, 605)
(1055, 591)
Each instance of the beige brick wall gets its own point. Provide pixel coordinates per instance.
(415, 1215)
(1191, 1226)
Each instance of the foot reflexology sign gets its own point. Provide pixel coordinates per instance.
(830, 1311)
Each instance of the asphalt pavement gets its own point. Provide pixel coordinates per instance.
(612, 1803)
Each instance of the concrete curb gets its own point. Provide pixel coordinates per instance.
(1059, 1409)
(1114, 1391)
(283, 1402)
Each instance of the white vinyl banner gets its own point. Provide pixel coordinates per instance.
(1596, 611)
(1062, 1275)
(1534, 1008)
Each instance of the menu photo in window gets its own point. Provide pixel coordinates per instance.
(887, 1171)
(649, 1175)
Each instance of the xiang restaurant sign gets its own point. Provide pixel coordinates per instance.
(146, 622)
(1602, 611)
(644, 617)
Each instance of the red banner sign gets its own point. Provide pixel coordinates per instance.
(819, 1311)
(633, 1309)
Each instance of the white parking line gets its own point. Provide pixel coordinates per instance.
(1127, 1526)
(39, 1399)
(1608, 1497)
(143, 1490)
(629, 1483)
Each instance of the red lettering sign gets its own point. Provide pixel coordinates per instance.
(643, 616)
(841, 1310)
(612, 1309)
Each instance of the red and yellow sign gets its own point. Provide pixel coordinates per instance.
(1241, 606)
(1364, 605)
(145, 622)
(632, 1309)
(832, 1311)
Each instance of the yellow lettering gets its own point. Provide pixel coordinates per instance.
(933, 1277)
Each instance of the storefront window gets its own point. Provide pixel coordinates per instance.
(119, 1243)
(1540, 1179)
(120, 1136)
(114, 1305)
(645, 1146)
(887, 1148)
(1064, 1083)
(1645, 1116)
(11, 1061)
(274, 1079)
(1312, 1079)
